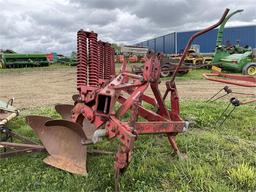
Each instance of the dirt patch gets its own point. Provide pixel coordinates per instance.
(203, 89)
(39, 88)
(47, 88)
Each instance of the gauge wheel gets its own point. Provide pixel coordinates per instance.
(165, 71)
(250, 69)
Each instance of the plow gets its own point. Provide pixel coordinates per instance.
(97, 112)
(103, 99)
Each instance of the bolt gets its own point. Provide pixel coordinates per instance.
(186, 126)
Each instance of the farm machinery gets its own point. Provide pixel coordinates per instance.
(169, 64)
(235, 101)
(193, 58)
(15, 60)
(12, 143)
(103, 100)
(244, 63)
(234, 58)
(166, 67)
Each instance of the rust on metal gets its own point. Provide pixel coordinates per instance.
(62, 141)
(65, 111)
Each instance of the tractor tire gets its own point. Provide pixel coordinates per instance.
(165, 71)
(249, 69)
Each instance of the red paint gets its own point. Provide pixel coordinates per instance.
(99, 98)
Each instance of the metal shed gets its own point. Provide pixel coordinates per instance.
(246, 35)
(175, 42)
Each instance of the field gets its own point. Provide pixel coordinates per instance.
(33, 87)
(219, 158)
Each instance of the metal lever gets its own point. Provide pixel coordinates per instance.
(10, 102)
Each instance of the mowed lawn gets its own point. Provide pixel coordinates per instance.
(219, 158)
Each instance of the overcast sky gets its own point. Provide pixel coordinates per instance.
(51, 25)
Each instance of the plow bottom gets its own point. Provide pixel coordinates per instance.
(62, 140)
(66, 112)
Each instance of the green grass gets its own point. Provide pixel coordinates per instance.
(32, 69)
(219, 158)
(191, 75)
(195, 74)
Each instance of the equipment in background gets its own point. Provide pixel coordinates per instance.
(240, 80)
(133, 54)
(194, 59)
(15, 60)
(167, 68)
(169, 64)
(134, 50)
(234, 58)
(234, 101)
(11, 143)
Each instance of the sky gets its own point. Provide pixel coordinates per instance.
(29, 26)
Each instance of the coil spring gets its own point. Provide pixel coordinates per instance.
(107, 61)
(81, 58)
(99, 63)
(113, 71)
(93, 58)
(101, 59)
(104, 61)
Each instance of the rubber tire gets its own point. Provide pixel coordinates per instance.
(165, 74)
(245, 68)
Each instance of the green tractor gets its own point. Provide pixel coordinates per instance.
(245, 63)
(234, 58)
